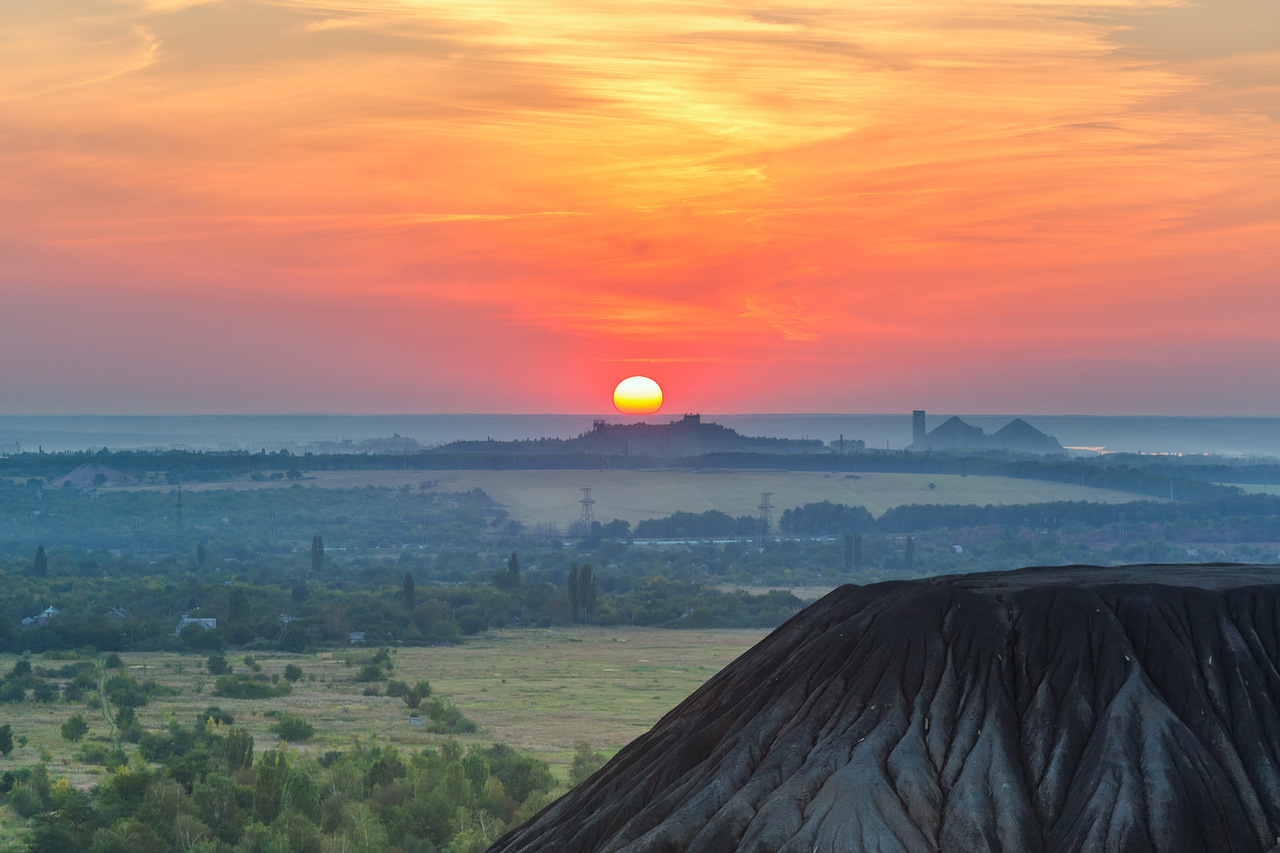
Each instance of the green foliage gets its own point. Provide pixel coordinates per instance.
(218, 665)
(294, 729)
(74, 728)
(408, 592)
(40, 565)
(247, 687)
(581, 586)
(237, 749)
(413, 696)
(586, 761)
(6, 740)
(447, 719)
(292, 672)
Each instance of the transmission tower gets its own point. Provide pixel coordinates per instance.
(137, 537)
(587, 516)
(764, 520)
(179, 511)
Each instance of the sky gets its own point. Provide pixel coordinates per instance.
(510, 205)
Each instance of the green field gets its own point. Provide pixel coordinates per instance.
(541, 692)
(552, 496)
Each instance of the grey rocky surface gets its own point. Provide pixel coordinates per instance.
(1057, 709)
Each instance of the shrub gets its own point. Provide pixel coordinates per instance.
(75, 728)
(244, 687)
(292, 672)
(586, 761)
(447, 719)
(218, 664)
(219, 717)
(294, 729)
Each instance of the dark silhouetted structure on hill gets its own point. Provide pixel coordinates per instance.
(688, 436)
(954, 434)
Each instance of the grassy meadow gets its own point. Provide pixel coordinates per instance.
(541, 692)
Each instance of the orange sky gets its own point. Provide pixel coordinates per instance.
(509, 205)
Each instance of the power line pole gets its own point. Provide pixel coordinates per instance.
(764, 519)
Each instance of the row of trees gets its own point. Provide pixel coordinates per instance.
(199, 788)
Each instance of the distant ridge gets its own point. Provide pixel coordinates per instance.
(689, 436)
(1017, 436)
(87, 477)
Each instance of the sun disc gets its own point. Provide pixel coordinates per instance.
(637, 395)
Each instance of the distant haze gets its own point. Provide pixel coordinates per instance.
(52, 433)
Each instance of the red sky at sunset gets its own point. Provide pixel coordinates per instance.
(510, 205)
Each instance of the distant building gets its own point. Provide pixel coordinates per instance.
(41, 618)
(917, 427)
(355, 637)
(206, 624)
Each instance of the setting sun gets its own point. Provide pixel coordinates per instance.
(637, 395)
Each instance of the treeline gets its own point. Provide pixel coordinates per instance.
(1253, 518)
(1189, 478)
(121, 604)
(236, 521)
(200, 789)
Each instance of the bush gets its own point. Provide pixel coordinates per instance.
(586, 761)
(25, 801)
(244, 687)
(292, 672)
(218, 665)
(75, 728)
(113, 661)
(447, 719)
(219, 717)
(294, 729)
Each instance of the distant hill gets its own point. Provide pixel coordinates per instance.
(1017, 436)
(93, 475)
(688, 436)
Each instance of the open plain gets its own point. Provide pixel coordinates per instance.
(551, 496)
(541, 692)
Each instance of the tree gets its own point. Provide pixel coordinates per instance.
(586, 761)
(218, 664)
(409, 593)
(418, 692)
(857, 550)
(582, 592)
(910, 554)
(202, 554)
(292, 672)
(294, 729)
(513, 568)
(317, 554)
(237, 749)
(238, 615)
(75, 728)
(6, 740)
(40, 566)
